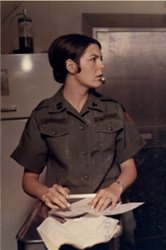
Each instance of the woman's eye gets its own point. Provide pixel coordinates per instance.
(93, 59)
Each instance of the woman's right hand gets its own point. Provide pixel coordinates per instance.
(56, 197)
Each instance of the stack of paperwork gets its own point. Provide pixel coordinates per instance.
(82, 227)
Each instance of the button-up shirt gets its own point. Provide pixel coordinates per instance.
(82, 150)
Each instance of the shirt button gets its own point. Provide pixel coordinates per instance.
(82, 127)
(86, 177)
(84, 152)
(110, 128)
(54, 132)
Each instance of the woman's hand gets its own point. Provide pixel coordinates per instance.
(112, 194)
(56, 197)
(107, 196)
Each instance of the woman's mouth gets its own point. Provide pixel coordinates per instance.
(99, 77)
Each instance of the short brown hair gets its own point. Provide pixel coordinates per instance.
(71, 46)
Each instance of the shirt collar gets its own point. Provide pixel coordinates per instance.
(59, 104)
(94, 101)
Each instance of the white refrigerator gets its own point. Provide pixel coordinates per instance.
(25, 80)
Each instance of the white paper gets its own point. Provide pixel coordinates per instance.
(81, 196)
(81, 232)
(81, 207)
(86, 231)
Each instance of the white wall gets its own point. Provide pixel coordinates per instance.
(53, 18)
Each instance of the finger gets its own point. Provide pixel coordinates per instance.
(63, 201)
(106, 203)
(50, 205)
(103, 204)
(59, 200)
(67, 190)
(96, 199)
(100, 203)
(94, 202)
(62, 190)
(56, 196)
(113, 205)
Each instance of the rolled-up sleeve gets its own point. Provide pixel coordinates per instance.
(32, 151)
(129, 141)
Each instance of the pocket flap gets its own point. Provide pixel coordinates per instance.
(108, 127)
(54, 131)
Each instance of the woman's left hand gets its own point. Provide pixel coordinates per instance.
(111, 195)
(106, 196)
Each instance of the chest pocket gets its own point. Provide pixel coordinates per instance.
(57, 138)
(107, 134)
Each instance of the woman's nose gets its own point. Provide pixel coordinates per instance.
(102, 65)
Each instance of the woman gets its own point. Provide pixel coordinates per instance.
(86, 140)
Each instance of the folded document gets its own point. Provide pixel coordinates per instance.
(81, 207)
(81, 232)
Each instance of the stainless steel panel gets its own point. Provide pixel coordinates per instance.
(135, 71)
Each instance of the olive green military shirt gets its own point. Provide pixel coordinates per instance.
(82, 150)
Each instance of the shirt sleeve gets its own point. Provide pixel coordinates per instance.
(129, 141)
(32, 151)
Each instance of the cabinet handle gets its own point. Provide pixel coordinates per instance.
(9, 109)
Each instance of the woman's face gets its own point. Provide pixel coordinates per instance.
(91, 67)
